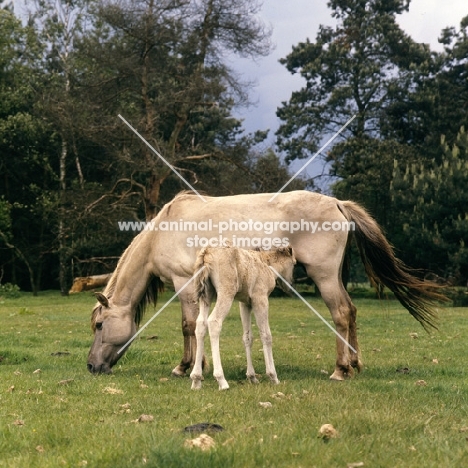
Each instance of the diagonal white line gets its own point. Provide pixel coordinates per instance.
(160, 157)
(312, 158)
(160, 310)
(314, 311)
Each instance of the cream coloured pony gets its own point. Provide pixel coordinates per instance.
(316, 226)
(233, 273)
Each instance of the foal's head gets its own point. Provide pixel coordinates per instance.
(282, 259)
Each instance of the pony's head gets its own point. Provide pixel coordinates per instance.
(113, 327)
(115, 321)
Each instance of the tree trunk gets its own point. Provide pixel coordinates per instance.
(61, 222)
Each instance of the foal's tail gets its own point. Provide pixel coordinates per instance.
(202, 281)
(417, 296)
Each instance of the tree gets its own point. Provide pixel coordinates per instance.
(70, 166)
(356, 68)
(436, 98)
(23, 157)
(160, 64)
(430, 202)
(59, 24)
(369, 171)
(452, 80)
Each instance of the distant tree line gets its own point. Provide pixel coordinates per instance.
(405, 155)
(70, 169)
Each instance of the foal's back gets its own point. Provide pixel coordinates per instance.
(236, 272)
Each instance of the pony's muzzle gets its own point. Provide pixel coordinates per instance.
(101, 369)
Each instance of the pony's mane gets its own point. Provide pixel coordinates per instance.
(184, 194)
(188, 193)
(155, 285)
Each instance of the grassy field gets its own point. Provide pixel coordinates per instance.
(408, 408)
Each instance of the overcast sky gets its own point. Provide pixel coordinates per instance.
(293, 21)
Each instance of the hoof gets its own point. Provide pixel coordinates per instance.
(337, 376)
(273, 378)
(177, 373)
(341, 374)
(357, 365)
(196, 385)
(223, 385)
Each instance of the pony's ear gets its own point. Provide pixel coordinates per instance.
(102, 299)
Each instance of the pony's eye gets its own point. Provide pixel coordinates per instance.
(99, 326)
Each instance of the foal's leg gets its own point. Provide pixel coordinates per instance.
(215, 324)
(247, 338)
(200, 332)
(260, 308)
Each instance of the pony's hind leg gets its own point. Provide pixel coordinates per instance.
(343, 313)
(247, 338)
(356, 362)
(215, 324)
(200, 331)
(260, 308)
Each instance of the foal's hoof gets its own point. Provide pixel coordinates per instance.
(196, 385)
(223, 385)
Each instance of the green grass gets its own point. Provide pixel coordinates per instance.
(383, 417)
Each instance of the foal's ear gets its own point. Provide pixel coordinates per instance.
(291, 253)
(102, 299)
(287, 250)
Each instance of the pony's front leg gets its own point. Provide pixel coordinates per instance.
(215, 324)
(189, 317)
(260, 308)
(197, 372)
(247, 338)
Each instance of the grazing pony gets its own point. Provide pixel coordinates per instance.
(233, 273)
(319, 229)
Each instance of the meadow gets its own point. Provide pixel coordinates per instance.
(408, 408)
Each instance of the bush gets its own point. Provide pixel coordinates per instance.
(9, 291)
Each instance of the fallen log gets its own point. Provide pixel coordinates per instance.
(85, 283)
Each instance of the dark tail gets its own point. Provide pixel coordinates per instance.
(417, 296)
(202, 281)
